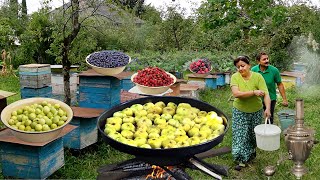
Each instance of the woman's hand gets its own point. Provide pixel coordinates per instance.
(267, 113)
(258, 93)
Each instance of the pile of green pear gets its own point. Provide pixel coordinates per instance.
(38, 117)
(159, 125)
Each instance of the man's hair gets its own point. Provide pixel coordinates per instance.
(258, 56)
(241, 58)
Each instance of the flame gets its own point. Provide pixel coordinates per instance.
(158, 172)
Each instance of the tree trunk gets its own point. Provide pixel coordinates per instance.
(67, 41)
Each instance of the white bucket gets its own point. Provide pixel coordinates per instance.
(267, 136)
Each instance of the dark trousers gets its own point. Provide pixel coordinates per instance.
(272, 107)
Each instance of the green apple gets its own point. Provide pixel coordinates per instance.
(162, 126)
(155, 143)
(185, 105)
(155, 110)
(202, 135)
(211, 115)
(172, 105)
(127, 134)
(114, 120)
(181, 138)
(173, 122)
(142, 128)
(144, 122)
(166, 116)
(119, 114)
(187, 120)
(177, 117)
(136, 107)
(122, 139)
(195, 110)
(193, 132)
(168, 110)
(131, 142)
(140, 141)
(152, 116)
(194, 140)
(128, 126)
(182, 111)
(128, 119)
(148, 105)
(127, 112)
(219, 120)
(213, 135)
(169, 143)
(220, 128)
(161, 104)
(114, 126)
(166, 132)
(206, 128)
(141, 133)
(186, 127)
(183, 143)
(109, 130)
(160, 120)
(153, 129)
(141, 113)
(200, 120)
(192, 115)
(202, 113)
(147, 146)
(153, 135)
(179, 132)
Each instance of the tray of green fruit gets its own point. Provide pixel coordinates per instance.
(165, 129)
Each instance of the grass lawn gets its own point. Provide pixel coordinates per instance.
(85, 164)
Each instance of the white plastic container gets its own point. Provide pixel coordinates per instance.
(267, 136)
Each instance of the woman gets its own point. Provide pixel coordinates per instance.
(248, 88)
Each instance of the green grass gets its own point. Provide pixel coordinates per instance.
(85, 164)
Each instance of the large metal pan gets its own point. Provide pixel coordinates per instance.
(162, 157)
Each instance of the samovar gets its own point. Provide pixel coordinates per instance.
(299, 140)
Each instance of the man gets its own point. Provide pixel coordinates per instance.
(272, 77)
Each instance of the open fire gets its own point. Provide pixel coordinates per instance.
(136, 169)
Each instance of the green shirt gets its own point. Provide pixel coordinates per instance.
(256, 82)
(272, 77)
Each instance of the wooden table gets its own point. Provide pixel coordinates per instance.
(3, 98)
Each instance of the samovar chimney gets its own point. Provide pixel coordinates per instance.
(299, 140)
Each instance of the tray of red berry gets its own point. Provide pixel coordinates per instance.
(153, 80)
(201, 67)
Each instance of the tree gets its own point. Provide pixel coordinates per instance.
(135, 5)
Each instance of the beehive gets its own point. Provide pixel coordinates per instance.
(86, 133)
(36, 92)
(98, 91)
(35, 75)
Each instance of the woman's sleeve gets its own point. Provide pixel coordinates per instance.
(233, 81)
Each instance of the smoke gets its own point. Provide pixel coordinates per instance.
(305, 51)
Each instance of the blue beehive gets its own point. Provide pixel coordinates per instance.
(31, 162)
(86, 133)
(209, 80)
(36, 92)
(126, 83)
(98, 91)
(220, 79)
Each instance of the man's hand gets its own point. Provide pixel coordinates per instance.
(285, 103)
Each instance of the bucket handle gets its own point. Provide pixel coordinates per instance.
(265, 124)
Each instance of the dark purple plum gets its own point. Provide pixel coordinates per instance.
(108, 59)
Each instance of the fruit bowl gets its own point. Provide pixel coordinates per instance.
(153, 90)
(36, 136)
(106, 71)
(199, 74)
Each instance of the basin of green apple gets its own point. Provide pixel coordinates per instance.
(35, 136)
